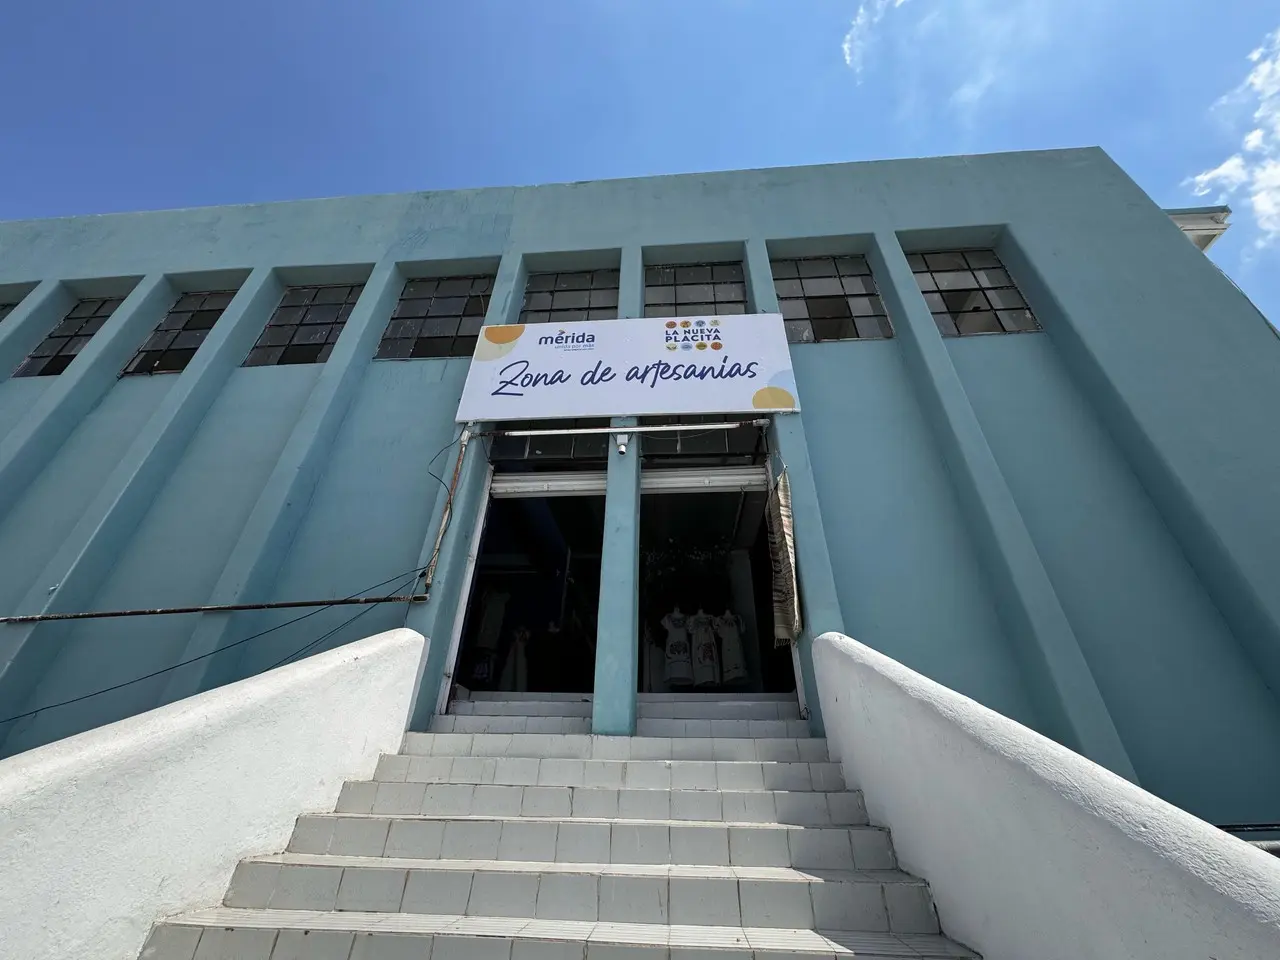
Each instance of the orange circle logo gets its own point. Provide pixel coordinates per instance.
(671, 324)
(717, 345)
(684, 323)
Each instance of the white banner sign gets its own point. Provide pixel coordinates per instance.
(603, 368)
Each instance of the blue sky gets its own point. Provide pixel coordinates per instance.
(152, 104)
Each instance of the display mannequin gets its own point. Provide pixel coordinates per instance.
(679, 669)
(706, 656)
(733, 663)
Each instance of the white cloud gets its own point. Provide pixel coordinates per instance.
(1254, 172)
(858, 38)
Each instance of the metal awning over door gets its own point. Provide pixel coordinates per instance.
(592, 483)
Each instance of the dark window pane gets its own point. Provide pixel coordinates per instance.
(263, 356)
(476, 306)
(926, 281)
(171, 361)
(541, 281)
(993, 278)
(481, 285)
(431, 347)
(604, 298)
(783, 269)
(323, 355)
(834, 329)
(551, 448)
(660, 310)
(159, 340)
(694, 273)
(727, 273)
(219, 301)
(865, 306)
(794, 309)
(470, 326)
(965, 301)
(886, 328)
(331, 295)
(91, 326)
(858, 286)
(439, 327)
(1006, 299)
(916, 262)
(403, 328)
(695, 293)
(174, 321)
(573, 281)
(936, 302)
(817, 267)
(569, 316)
(571, 300)
(275, 337)
(107, 307)
(868, 328)
(326, 313)
(203, 319)
(189, 301)
(74, 346)
(695, 309)
(730, 292)
(49, 346)
(986, 322)
(84, 308)
(535, 317)
(945, 261)
(353, 295)
(344, 311)
(419, 289)
(297, 296)
(286, 316)
(730, 309)
(1018, 320)
(982, 259)
(55, 365)
(30, 367)
(604, 313)
(537, 301)
(822, 287)
(946, 326)
(959, 280)
(592, 446)
(310, 333)
(788, 288)
(67, 328)
(412, 308)
(853, 266)
(463, 346)
(394, 349)
(799, 331)
(335, 332)
(447, 306)
(604, 279)
(659, 294)
(659, 276)
(454, 287)
(828, 307)
(301, 353)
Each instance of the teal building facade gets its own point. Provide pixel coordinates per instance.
(1036, 458)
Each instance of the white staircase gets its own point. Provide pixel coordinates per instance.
(722, 832)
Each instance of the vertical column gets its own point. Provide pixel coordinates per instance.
(617, 631)
(435, 618)
(1052, 660)
(631, 284)
(820, 603)
(250, 570)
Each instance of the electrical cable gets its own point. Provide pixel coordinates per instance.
(53, 706)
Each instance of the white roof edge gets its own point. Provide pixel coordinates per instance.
(1202, 225)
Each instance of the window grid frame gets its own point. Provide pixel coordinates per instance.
(6, 309)
(1015, 316)
(303, 344)
(557, 296)
(840, 288)
(159, 353)
(72, 326)
(417, 309)
(711, 289)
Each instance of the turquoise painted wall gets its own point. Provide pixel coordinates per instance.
(1075, 527)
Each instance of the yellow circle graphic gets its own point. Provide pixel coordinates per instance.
(773, 398)
(497, 341)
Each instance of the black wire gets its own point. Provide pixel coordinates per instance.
(54, 706)
(437, 457)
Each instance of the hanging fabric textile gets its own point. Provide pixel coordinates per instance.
(679, 667)
(706, 656)
(733, 664)
(782, 553)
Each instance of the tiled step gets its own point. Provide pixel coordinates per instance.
(822, 775)
(521, 708)
(739, 709)
(582, 840)
(511, 724)
(806, 808)
(230, 933)
(880, 901)
(656, 727)
(579, 747)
